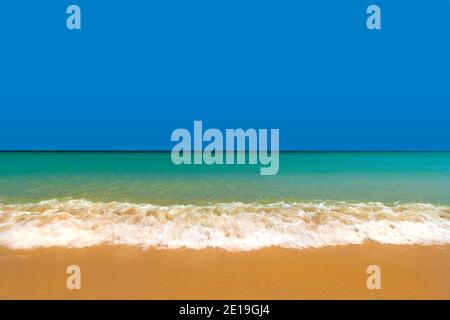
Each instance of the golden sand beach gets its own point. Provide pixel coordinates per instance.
(119, 272)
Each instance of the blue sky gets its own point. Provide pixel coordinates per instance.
(140, 69)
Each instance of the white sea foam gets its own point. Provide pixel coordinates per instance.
(232, 226)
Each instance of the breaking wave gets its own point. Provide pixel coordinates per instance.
(231, 226)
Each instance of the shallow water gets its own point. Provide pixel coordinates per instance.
(153, 178)
(142, 199)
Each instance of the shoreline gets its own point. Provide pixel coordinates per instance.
(124, 272)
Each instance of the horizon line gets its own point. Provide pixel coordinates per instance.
(169, 151)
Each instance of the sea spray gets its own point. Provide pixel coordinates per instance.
(230, 226)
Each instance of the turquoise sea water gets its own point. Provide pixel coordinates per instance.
(152, 178)
(142, 199)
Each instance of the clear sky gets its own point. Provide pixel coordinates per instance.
(140, 69)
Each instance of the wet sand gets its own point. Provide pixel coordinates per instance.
(113, 272)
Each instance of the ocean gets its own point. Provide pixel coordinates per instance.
(82, 199)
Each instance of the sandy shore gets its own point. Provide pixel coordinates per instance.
(409, 272)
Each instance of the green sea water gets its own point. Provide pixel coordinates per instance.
(83, 199)
(141, 177)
